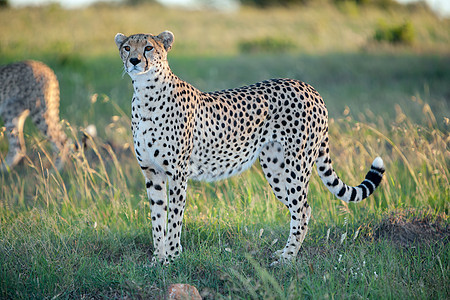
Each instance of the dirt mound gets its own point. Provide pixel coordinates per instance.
(407, 228)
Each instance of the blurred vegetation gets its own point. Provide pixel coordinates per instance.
(137, 2)
(267, 44)
(385, 4)
(319, 27)
(396, 34)
(269, 3)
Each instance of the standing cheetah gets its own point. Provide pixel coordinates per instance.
(180, 132)
(29, 88)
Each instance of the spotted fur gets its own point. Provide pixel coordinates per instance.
(180, 132)
(29, 88)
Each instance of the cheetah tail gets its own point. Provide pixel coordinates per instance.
(338, 187)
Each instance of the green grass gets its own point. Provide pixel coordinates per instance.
(85, 232)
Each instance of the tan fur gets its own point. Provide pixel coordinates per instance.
(29, 88)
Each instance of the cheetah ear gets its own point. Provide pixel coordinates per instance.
(167, 38)
(119, 39)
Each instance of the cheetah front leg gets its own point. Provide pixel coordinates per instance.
(177, 203)
(155, 182)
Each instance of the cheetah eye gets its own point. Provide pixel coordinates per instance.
(148, 48)
(127, 48)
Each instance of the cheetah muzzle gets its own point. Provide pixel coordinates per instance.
(181, 133)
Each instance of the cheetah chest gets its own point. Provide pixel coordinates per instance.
(150, 142)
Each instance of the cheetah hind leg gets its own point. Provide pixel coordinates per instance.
(272, 163)
(291, 192)
(300, 212)
(14, 132)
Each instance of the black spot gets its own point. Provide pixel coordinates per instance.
(327, 173)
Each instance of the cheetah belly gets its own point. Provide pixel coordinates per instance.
(216, 164)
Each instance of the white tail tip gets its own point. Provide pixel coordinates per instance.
(378, 163)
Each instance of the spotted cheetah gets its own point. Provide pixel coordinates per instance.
(29, 88)
(181, 133)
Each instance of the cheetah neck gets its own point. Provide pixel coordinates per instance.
(157, 88)
(153, 86)
(156, 74)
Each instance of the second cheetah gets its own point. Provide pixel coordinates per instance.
(29, 88)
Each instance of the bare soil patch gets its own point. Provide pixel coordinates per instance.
(410, 227)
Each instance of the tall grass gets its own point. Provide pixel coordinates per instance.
(86, 231)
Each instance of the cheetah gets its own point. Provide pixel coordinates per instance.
(181, 133)
(29, 88)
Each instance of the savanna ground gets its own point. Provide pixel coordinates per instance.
(85, 232)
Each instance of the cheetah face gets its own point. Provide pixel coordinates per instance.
(142, 52)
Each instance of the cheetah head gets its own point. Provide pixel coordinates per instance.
(142, 52)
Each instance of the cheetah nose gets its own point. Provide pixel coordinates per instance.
(135, 61)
